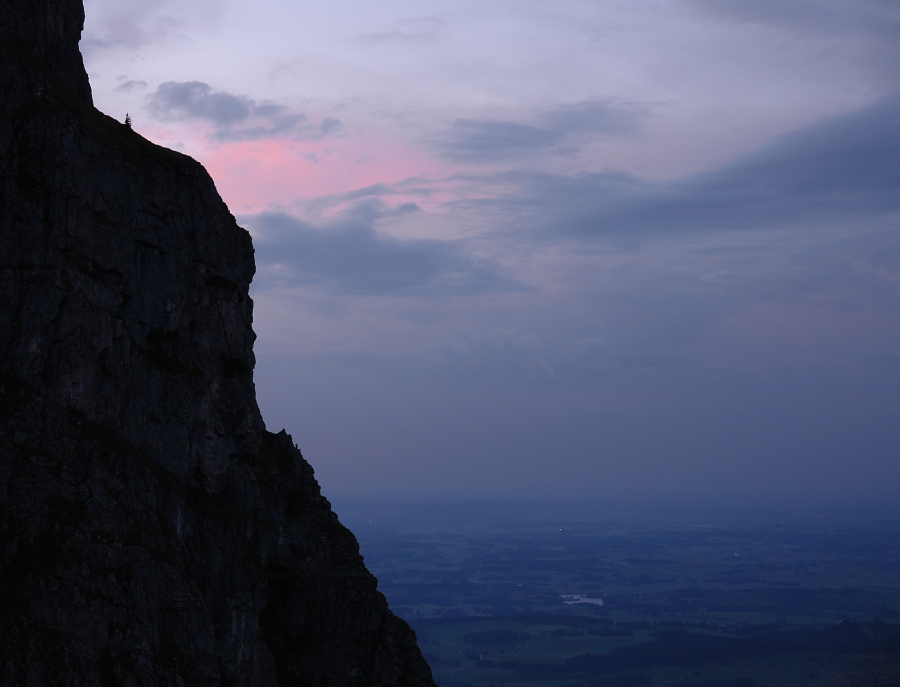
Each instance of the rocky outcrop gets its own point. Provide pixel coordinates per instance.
(152, 532)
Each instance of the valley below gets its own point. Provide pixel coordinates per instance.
(727, 597)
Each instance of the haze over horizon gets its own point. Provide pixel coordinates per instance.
(599, 249)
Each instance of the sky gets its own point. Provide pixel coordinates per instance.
(582, 249)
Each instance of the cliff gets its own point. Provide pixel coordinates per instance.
(152, 532)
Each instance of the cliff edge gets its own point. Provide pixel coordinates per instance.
(152, 532)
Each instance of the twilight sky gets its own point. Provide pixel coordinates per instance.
(599, 248)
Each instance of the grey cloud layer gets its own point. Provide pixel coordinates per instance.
(737, 325)
(848, 166)
(235, 117)
(485, 140)
(347, 255)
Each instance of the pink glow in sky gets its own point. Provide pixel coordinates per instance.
(256, 175)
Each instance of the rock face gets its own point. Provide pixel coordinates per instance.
(152, 532)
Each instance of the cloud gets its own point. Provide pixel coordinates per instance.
(848, 166)
(347, 255)
(486, 140)
(235, 117)
(337, 200)
(483, 140)
(131, 85)
(409, 30)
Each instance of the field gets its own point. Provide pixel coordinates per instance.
(511, 594)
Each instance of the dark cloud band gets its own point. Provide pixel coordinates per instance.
(235, 117)
(486, 140)
(347, 255)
